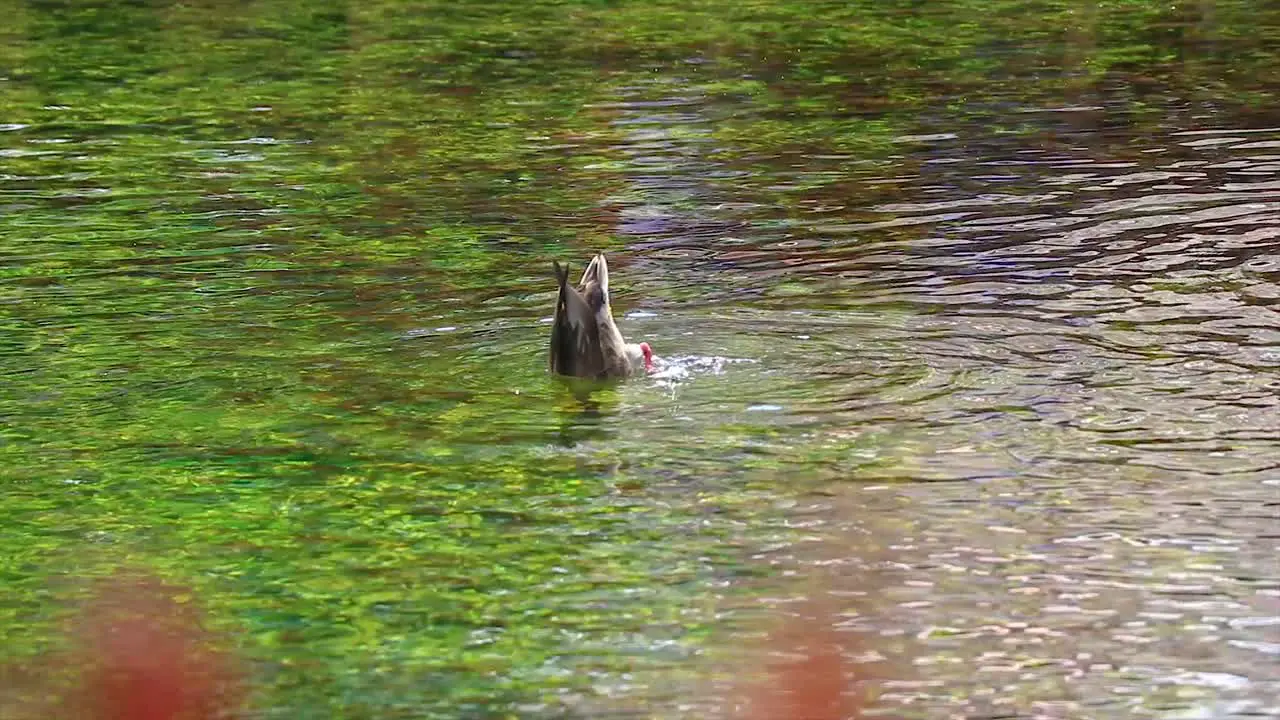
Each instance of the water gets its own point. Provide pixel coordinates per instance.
(987, 311)
(1054, 375)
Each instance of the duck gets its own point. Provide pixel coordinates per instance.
(585, 341)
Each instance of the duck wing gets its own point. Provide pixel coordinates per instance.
(585, 341)
(594, 286)
(575, 334)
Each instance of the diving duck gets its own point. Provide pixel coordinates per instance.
(585, 342)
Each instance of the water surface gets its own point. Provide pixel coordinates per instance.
(985, 307)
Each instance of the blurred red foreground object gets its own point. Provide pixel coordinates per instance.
(140, 655)
(149, 659)
(811, 683)
(143, 655)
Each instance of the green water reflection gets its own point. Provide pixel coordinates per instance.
(270, 282)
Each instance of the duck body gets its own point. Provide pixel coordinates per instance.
(585, 341)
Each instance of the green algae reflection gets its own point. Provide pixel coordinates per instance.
(270, 277)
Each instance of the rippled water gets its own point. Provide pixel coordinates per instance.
(1049, 373)
(279, 329)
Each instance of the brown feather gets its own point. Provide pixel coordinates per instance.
(585, 342)
(575, 344)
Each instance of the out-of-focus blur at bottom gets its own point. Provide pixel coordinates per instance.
(139, 652)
